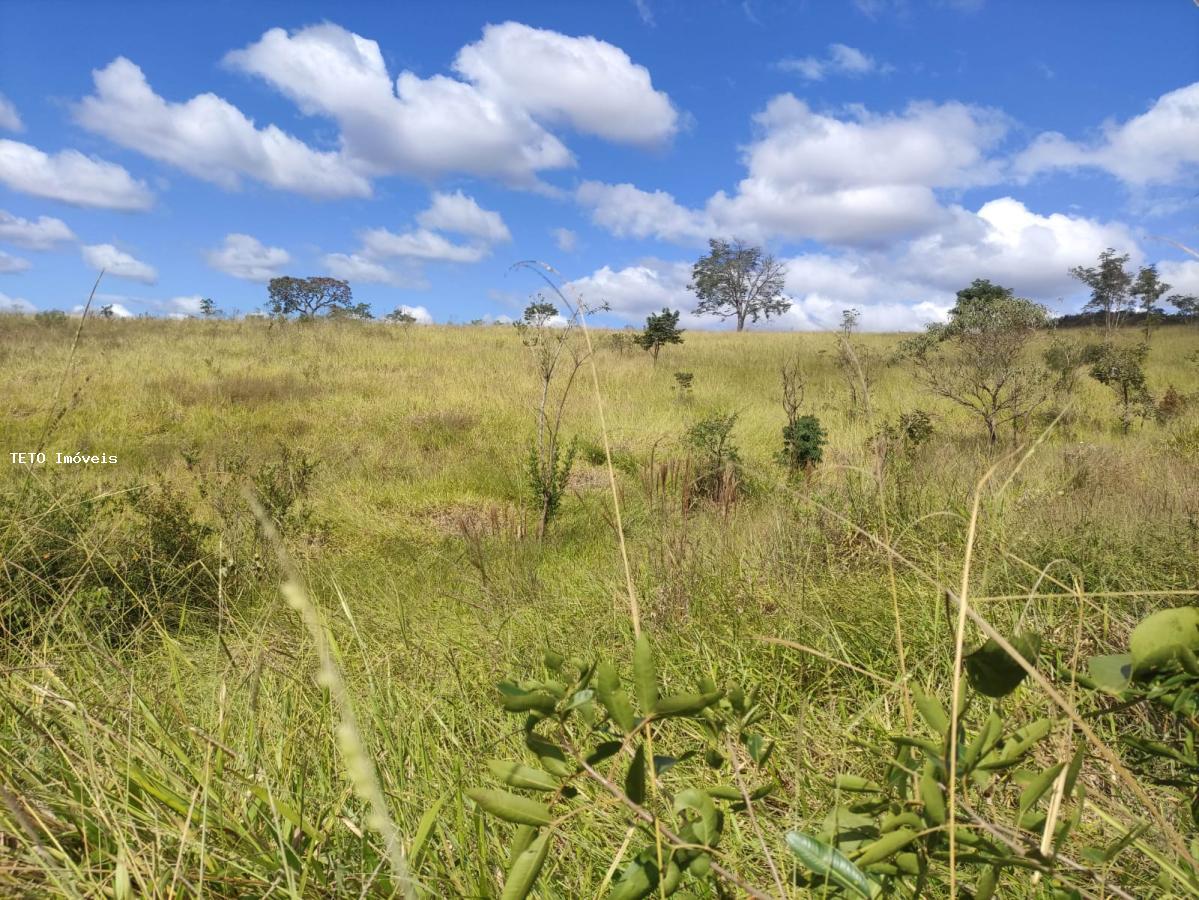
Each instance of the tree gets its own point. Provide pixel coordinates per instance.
(400, 316)
(359, 312)
(1186, 304)
(558, 357)
(1148, 288)
(308, 296)
(1121, 369)
(660, 329)
(107, 311)
(978, 359)
(736, 281)
(1110, 284)
(208, 308)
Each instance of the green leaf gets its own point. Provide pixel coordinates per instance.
(831, 864)
(931, 797)
(992, 671)
(550, 755)
(887, 845)
(707, 824)
(514, 698)
(516, 775)
(525, 869)
(553, 660)
(634, 783)
(1157, 641)
(1111, 673)
(510, 807)
(856, 784)
(1037, 787)
(636, 881)
(684, 704)
(645, 674)
(423, 829)
(931, 711)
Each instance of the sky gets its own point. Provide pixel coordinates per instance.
(887, 151)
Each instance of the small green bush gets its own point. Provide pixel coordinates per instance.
(803, 444)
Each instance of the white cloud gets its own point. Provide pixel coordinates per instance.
(423, 244)
(71, 177)
(118, 264)
(209, 138)
(565, 240)
(1157, 146)
(635, 291)
(43, 234)
(422, 315)
(841, 60)
(183, 306)
(244, 256)
(355, 268)
(424, 127)
(907, 285)
(857, 179)
(460, 214)
(10, 264)
(587, 82)
(10, 119)
(628, 211)
(119, 310)
(15, 304)
(1181, 275)
(1010, 244)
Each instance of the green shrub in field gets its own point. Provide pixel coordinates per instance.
(591, 739)
(716, 459)
(1122, 370)
(803, 444)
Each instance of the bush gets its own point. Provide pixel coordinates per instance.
(715, 457)
(803, 444)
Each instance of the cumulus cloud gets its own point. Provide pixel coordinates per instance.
(1008, 243)
(628, 211)
(10, 265)
(118, 263)
(635, 291)
(491, 123)
(119, 310)
(10, 120)
(460, 214)
(209, 138)
(565, 240)
(424, 126)
(244, 256)
(1155, 147)
(840, 60)
(587, 82)
(356, 268)
(71, 177)
(456, 213)
(1181, 275)
(15, 304)
(909, 284)
(422, 315)
(421, 244)
(858, 178)
(43, 234)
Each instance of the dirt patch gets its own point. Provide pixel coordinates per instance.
(483, 518)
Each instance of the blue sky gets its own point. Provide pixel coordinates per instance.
(888, 150)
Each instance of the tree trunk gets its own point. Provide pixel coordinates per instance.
(740, 321)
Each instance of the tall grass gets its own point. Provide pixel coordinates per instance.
(194, 754)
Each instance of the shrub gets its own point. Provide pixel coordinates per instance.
(716, 459)
(803, 444)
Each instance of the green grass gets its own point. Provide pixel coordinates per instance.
(184, 747)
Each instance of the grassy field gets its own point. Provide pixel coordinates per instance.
(163, 733)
